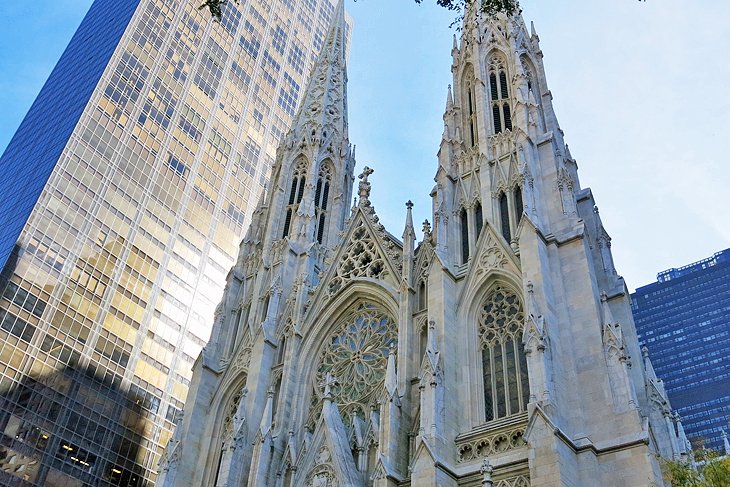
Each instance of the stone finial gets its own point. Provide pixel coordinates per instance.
(426, 230)
(364, 186)
(487, 470)
(725, 442)
(409, 234)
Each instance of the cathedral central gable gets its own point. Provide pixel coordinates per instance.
(365, 253)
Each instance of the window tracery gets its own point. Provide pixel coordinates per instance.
(299, 177)
(469, 104)
(499, 94)
(504, 365)
(360, 259)
(356, 354)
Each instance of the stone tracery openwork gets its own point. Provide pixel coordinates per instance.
(504, 366)
(501, 317)
(361, 259)
(356, 354)
(231, 408)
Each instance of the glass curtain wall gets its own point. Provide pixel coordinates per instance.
(108, 297)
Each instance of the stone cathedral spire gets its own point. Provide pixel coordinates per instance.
(500, 349)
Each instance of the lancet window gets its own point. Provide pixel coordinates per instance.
(295, 193)
(281, 350)
(233, 333)
(276, 392)
(422, 295)
(510, 207)
(479, 217)
(472, 113)
(464, 223)
(321, 198)
(499, 94)
(504, 366)
(519, 208)
(422, 340)
(504, 217)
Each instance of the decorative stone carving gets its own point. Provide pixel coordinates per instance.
(519, 481)
(492, 257)
(501, 317)
(490, 444)
(361, 258)
(357, 354)
(364, 186)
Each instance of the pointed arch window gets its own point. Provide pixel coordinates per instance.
(295, 194)
(519, 208)
(321, 198)
(479, 218)
(265, 307)
(422, 341)
(500, 98)
(281, 351)
(422, 295)
(471, 106)
(235, 324)
(504, 217)
(226, 438)
(504, 365)
(276, 393)
(464, 220)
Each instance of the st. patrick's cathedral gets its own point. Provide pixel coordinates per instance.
(494, 348)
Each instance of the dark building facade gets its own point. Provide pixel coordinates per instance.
(684, 320)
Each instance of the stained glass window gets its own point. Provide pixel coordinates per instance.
(504, 366)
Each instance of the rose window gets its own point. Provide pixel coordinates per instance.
(357, 355)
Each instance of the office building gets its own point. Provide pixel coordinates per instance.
(125, 193)
(684, 321)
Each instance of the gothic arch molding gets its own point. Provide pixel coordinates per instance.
(469, 307)
(220, 403)
(326, 322)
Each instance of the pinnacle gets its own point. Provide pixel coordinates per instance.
(324, 101)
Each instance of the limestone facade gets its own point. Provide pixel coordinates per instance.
(499, 350)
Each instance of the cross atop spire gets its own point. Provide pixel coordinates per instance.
(365, 186)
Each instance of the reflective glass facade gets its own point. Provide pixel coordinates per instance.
(684, 319)
(133, 177)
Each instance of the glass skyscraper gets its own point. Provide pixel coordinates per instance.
(684, 320)
(123, 196)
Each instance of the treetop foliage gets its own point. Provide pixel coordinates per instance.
(488, 7)
(711, 471)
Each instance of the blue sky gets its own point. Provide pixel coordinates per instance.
(638, 89)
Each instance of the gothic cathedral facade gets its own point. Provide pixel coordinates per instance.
(499, 350)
